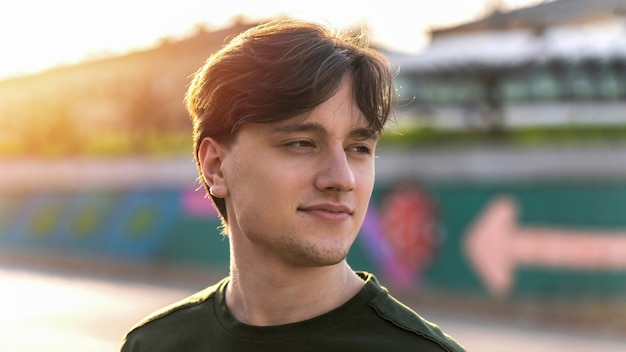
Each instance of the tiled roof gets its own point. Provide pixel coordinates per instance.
(543, 15)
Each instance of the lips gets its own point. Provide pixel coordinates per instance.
(328, 211)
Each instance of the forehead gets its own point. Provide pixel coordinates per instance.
(345, 122)
(358, 129)
(339, 115)
(340, 110)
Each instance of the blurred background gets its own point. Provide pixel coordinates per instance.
(500, 202)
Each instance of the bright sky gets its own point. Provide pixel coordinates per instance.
(37, 34)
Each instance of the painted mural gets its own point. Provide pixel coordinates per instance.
(502, 241)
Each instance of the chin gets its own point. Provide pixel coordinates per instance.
(320, 259)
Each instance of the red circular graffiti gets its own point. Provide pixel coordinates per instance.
(410, 224)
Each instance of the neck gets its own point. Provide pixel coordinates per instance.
(264, 296)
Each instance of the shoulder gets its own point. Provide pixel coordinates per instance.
(170, 318)
(186, 303)
(397, 313)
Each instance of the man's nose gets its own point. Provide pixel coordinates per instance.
(335, 172)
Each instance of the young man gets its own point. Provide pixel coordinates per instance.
(286, 118)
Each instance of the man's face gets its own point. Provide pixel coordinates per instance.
(298, 190)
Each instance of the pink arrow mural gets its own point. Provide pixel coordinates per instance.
(496, 246)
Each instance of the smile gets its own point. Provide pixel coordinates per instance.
(328, 212)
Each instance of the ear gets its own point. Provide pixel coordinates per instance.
(211, 155)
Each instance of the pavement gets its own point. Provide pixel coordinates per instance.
(65, 304)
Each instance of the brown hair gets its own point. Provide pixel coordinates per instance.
(281, 69)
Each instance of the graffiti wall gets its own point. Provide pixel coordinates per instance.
(499, 240)
(162, 224)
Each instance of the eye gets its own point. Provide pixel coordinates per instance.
(301, 144)
(362, 149)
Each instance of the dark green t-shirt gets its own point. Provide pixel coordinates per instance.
(370, 321)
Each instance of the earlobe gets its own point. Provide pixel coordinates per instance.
(210, 155)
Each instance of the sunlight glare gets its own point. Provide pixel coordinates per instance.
(38, 34)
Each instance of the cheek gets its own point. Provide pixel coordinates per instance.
(365, 188)
(253, 181)
(365, 179)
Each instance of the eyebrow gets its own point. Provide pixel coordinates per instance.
(361, 133)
